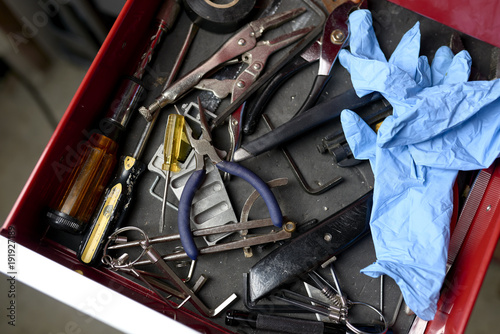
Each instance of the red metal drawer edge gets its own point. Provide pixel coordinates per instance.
(478, 18)
(462, 286)
(128, 288)
(26, 214)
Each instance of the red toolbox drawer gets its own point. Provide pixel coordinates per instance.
(88, 104)
(475, 18)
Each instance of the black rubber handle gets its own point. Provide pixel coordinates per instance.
(310, 249)
(256, 107)
(319, 84)
(308, 120)
(281, 324)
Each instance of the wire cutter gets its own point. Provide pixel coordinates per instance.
(203, 147)
(255, 60)
(243, 43)
(326, 48)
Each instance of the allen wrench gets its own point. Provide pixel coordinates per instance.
(182, 290)
(298, 174)
(338, 308)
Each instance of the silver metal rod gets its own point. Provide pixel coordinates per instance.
(258, 240)
(201, 232)
(163, 219)
(173, 74)
(381, 295)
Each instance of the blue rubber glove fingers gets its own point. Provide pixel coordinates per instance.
(410, 231)
(367, 65)
(473, 145)
(362, 42)
(363, 45)
(371, 75)
(459, 70)
(440, 65)
(406, 54)
(423, 75)
(360, 137)
(448, 68)
(435, 110)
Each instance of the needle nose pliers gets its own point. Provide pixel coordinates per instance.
(203, 147)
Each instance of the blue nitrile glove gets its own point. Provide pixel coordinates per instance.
(441, 124)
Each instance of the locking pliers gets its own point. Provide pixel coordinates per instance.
(239, 44)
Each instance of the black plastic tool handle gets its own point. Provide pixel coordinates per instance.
(256, 107)
(281, 324)
(332, 236)
(113, 208)
(306, 121)
(319, 84)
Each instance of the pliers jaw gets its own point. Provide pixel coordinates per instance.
(256, 59)
(202, 146)
(244, 40)
(335, 33)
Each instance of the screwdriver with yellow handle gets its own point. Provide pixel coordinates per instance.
(119, 194)
(112, 210)
(175, 148)
(78, 195)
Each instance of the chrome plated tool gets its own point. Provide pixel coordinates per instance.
(152, 256)
(240, 44)
(337, 309)
(203, 147)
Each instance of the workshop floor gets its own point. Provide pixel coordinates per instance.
(25, 133)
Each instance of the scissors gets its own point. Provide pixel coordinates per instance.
(325, 50)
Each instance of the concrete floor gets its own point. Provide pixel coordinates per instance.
(25, 132)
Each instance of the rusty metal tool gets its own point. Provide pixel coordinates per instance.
(289, 55)
(153, 257)
(324, 50)
(284, 233)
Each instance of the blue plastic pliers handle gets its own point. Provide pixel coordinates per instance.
(203, 147)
